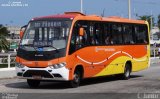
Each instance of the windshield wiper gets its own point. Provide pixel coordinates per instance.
(27, 45)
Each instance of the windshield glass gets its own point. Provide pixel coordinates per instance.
(48, 34)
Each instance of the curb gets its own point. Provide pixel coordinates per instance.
(155, 60)
(7, 73)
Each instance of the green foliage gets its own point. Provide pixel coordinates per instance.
(4, 44)
(147, 18)
(158, 22)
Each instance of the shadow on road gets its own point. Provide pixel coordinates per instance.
(104, 79)
(65, 85)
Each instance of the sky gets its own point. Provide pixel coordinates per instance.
(19, 12)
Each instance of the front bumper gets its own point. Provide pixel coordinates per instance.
(60, 74)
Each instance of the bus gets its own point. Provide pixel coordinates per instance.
(73, 46)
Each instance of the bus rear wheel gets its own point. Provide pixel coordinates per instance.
(76, 79)
(127, 72)
(33, 83)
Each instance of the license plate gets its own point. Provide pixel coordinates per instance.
(36, 77)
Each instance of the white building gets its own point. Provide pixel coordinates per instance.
(14, 31)
(14, 36)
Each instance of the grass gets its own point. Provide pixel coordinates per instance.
(6, 65)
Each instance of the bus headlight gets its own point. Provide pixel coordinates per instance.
(19, 65)
(59, 65)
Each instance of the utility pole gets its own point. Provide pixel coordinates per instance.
(129, 9)
(151, 19)
(81, 6)
(154, 52)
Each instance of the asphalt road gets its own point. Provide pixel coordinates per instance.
(142, 85)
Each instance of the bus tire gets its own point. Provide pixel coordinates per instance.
(33, 83)
(127, 72)
(76, 79)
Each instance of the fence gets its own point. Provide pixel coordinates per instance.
(7, 58)
(154, 51)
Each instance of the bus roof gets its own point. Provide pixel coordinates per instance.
(82, 16)
(120, 19)
(65, 15)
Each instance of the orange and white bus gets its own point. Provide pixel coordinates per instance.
(73, 46)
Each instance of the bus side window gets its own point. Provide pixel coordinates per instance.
(80, 40)
(107, 35)
(128, 34)
(97, 33)
(91, 39)
(117, 34)
(141, 34)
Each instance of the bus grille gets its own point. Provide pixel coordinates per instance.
(41, 73)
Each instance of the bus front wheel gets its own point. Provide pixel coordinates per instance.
(33, 83)
(76, 79)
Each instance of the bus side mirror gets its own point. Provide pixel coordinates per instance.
(21, 34)
(81, 31)
(22, 31)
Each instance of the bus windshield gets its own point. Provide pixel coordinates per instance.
(47, 34)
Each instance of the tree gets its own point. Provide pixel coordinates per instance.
(158, 22)
(147, 18)
(4, 44)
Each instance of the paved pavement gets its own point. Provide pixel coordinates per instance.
(142, 85)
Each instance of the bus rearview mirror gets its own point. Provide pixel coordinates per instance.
(81, 31)
(22, 31)
(21, 34)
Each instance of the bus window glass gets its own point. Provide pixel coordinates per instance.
(107, 35)
(141, 34)
(98, 33)
(127, 34)
(117, 34)
(50, 33)
(78, 41)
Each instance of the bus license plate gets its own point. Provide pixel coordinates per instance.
(36, 77)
